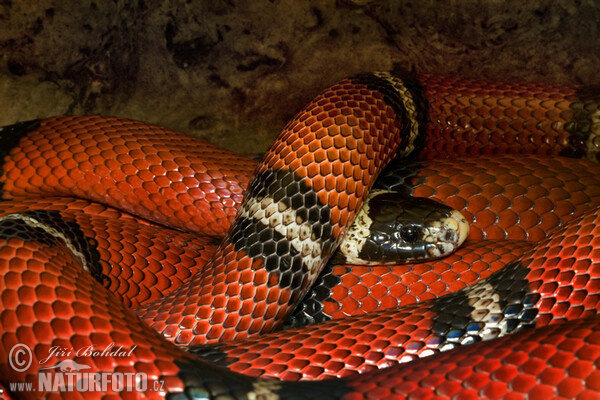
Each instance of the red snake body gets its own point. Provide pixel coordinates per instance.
(315, 175)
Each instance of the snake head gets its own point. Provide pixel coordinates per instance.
(394, 228)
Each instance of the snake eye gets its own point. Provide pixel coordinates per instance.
(409, 233)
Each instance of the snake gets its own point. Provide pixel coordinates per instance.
(281, 227)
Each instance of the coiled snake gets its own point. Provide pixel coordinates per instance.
(72, 286)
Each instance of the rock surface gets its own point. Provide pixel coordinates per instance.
(234, 72)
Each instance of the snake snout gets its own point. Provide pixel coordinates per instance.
(446, 235)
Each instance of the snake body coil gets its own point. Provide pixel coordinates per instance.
(58, 257)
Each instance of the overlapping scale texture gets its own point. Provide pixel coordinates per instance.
(139, 262)
(144, 169)
(325, 159)
(559, 361)
(347, 131)
(548, 285)
(468, 117)
(326, 142)
(565, 272)
(48, 300)
(351, 290)
(504, 196)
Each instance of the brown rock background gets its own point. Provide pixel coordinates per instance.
(234, 72)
